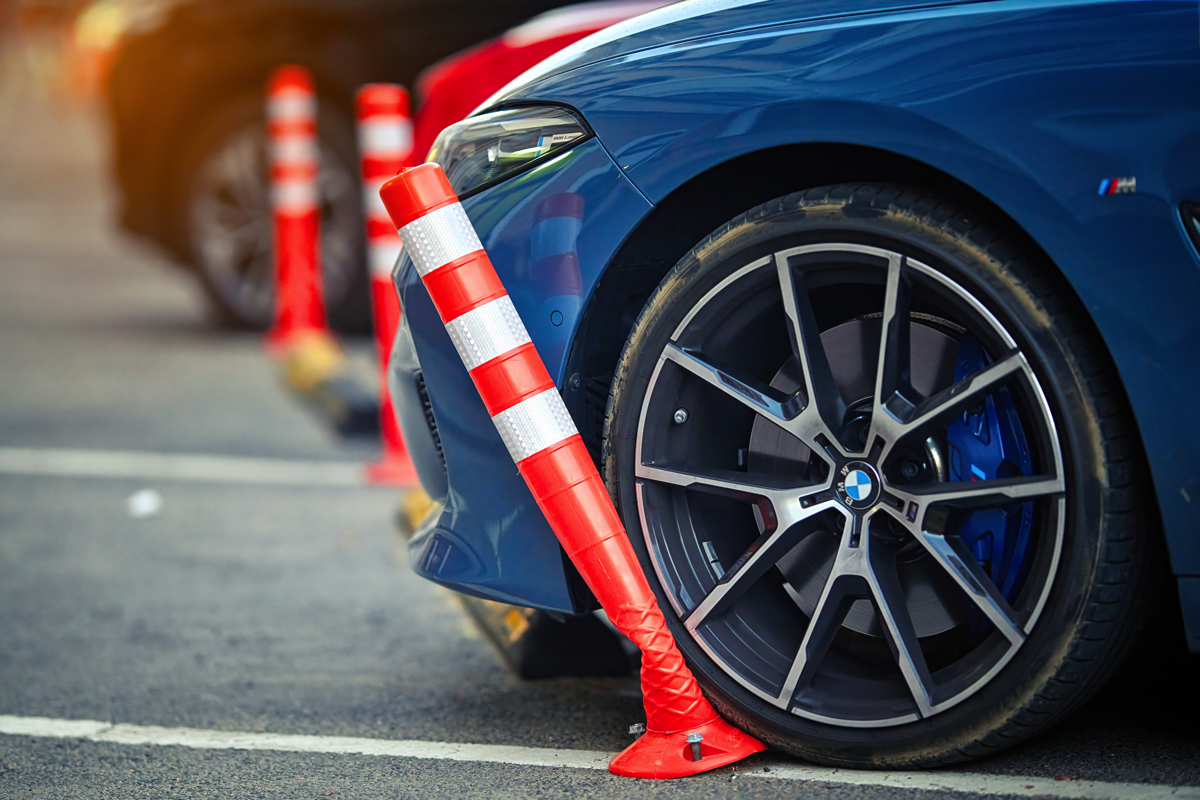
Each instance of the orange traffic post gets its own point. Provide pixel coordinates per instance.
(385, 136)
(313, 364)
(292, 133)
(684, 734)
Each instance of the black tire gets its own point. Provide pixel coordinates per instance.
(971, 689)
(223, 217)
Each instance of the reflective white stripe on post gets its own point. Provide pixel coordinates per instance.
(294, 196)
(439, 237)
(490, 330)
(534, 424)
(289, 105)
(374, 207)
(385, 136)
(294, 149)
(383, 254)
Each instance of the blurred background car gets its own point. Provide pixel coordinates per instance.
(184, 99)
(874, 317)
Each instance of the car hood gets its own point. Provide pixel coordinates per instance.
(692, 20)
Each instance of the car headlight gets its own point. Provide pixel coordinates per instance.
(482, 150)
(1191, 221)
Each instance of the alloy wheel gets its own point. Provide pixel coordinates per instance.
(850, 484)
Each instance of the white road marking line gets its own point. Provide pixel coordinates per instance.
(177, 467)
(964, 783)
(236, 740)
(976, 783)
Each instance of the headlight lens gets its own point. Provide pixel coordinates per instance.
(480, 151)
(1191, 221)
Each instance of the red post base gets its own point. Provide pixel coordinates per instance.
(669, 755)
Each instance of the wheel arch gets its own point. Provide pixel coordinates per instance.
(696, 207)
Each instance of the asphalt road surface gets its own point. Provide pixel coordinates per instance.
(264, 637)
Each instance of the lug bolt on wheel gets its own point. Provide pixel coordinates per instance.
(681, 416)
(910, 469)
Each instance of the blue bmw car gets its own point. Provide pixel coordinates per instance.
(880, 320)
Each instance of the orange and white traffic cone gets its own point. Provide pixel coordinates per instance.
(300, 339)
(385, 136)
(684, 734)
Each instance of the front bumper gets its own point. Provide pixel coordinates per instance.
(490, 539)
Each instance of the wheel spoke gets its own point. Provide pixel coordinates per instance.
(823, 399)
(901, 634)
(230, 216)
(953, 399)
(961, 566)
(254, 290)
(840, 592)
(246, 238)
(894, 397)
(726, 483)
(261, 273)
(759, 557)
(979, 494)
(243, 169)
(756, 396)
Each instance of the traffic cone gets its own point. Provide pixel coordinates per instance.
(385, 135)
(684, 734)
(313, 364)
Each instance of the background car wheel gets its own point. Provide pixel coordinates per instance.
(225, 217)
(880, 469)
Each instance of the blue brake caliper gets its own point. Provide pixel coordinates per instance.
(984, 443)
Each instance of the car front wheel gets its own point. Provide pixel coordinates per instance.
(882, 478)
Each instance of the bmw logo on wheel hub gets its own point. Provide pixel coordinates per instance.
(858, 485)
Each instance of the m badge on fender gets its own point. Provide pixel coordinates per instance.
(1118, 186)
